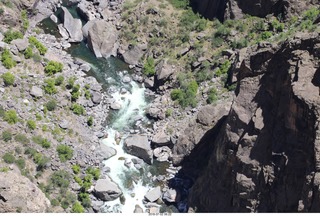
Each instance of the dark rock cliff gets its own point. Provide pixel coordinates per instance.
(266, 155)
(234, 9)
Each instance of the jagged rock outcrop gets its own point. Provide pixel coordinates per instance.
(235, 9)
(266, 157)
(18, 193)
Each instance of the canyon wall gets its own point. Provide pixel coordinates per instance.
(235, 9)
(266, 157)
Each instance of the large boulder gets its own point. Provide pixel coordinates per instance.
(160, 138)
(134, 54)
(153, 194)
(209, 115)
(164, 70)
(139, 145)
(18, 193)
(106, 190)
(102, 38)
(106, 152)
(36, 91)
(72, 25)
(21, 44)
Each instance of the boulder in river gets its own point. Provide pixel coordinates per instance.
(102, 37)
(106, 190)
(72, 25)
(153, 194)
(139, 145)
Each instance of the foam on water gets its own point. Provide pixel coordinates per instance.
(133, 104)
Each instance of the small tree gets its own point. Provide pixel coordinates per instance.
(77, 208)
(31, 124)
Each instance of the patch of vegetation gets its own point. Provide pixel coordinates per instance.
(59, 80)
(8, 158)
(65, 152)
(25, 21)
(90, 121)
(186, 95)
(28, 53)
(31, 124)
(84, 199)
(76, 169)
(95, 172)
(21, 163)
(50, 87)
(53, 67)
(6, 135)
(212, 96)
(149, 67)
(223, 69)
(4, 169)
(77, 109)
(41, 48)
(75, 93)
(21, 138)
(70, 83)
(51, 105)
(181, 4)
(8, 78)
(40, 160)
(60, 178)
(192, 22)
(12, 35)
(11, 117)
(7, 60)
(41, 141)
(77, 208)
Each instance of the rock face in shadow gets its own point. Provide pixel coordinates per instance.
(266, 156)
(235, 9)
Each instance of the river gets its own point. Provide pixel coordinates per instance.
(129, 119)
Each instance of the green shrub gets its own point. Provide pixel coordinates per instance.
(30, 151)
(149, 67)
(31, 124)
(87, 182)
(181, 4)
(276, 26)
(238, 44)
(77, 208)
(8, 78)
(25, 21)
(311, 14)
(224, 68)
(71, 81)
(28, 53)
(60, 178)
(59, 80)
(55, 202)
(222, 32)
(8, 158)
(266, 35)
(2, 112)
(212, 96)
(84, 199)
(11, 117)
(51, 105)
(76, 169)
(187, 95)
(69, 199)
(75, 93)
(95, 172)
(191, 21)
(53, 67)
(78, 180)
(21, 163)
(77, 109)
(40, 160)
(50, 87)
(41, 48)
(6, 59)
(41, 141)
(21, 138)
(65, 152)
(12, 35)
(6, 136)
(90, 121)
(4, 169)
